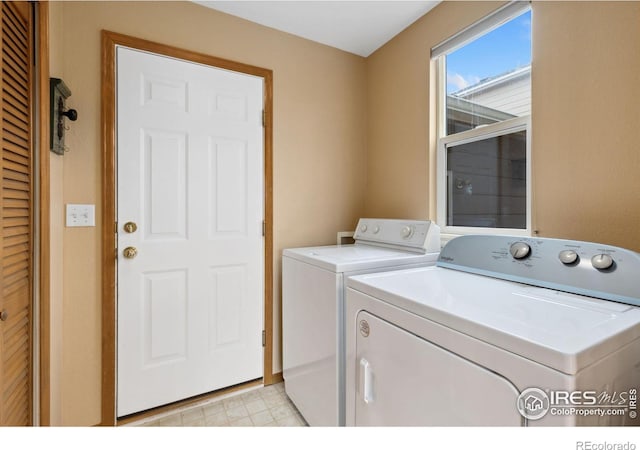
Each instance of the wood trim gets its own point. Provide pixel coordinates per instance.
(33, 86)
(109, 42)
(108, 232)
(276, 378)
(42, 66)
(268, 217)
(175, 52)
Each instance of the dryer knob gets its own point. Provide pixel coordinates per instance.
(602, 261)
(364, 228)
(376, 229)
(407, 232)
(568, 257)
(520, 250)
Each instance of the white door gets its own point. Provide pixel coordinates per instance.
(404, 380)
(190, 177)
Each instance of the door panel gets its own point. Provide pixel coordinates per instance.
(165, 189)
(16, 217)
(165, 316)
(190, 175)
(228, 162)
(404, 380)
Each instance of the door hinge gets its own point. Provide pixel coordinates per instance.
(264, 118)
(264, 338)
(264, 228)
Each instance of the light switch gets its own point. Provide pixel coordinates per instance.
(81, 215)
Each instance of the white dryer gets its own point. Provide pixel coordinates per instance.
(313, 306)
(504, 331)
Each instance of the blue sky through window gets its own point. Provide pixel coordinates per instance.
(506, 48)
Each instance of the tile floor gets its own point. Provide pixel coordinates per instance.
(256, 407)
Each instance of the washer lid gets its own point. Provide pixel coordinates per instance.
(561, 330)
(349, 258)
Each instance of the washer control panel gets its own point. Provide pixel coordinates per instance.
(585, 268)
(416, 235)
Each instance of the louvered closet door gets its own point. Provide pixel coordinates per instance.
(16, 217)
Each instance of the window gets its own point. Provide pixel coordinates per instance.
(484, 103)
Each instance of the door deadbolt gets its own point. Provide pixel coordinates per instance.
(130, 252)
(130, 227)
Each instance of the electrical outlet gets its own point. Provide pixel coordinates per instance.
(81, 215)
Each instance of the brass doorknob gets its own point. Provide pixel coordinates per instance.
(130, 252)
(130, 227)
(4, 315)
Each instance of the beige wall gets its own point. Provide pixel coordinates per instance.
(341, 122)
(319, 149)
(585, 118)
(399, 111)
(56, 174)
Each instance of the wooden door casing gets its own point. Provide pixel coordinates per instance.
(110, 41)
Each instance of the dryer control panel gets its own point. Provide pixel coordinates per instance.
(414, 235)
(585, 268)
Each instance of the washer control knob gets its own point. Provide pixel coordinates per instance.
(406, 232)
(376, 229)
(568, 256)
(602, 261)
(520, 250)
(364, 227)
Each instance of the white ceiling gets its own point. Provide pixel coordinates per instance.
(359, 27)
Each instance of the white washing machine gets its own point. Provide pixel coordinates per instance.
(313, 306)
(503, 331)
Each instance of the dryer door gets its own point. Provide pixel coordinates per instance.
(404, 380)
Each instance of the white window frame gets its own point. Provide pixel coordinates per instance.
(477, 134)
(502, 15)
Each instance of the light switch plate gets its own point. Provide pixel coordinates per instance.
(81, 215)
